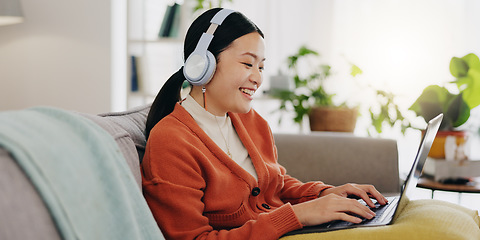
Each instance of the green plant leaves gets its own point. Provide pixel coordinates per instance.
(470, 86)
(472, 61)
(456, 107)
(308, 90)
(458, 67)
(297, 101)
(389, 113)
(355, 70)
(467, 72)
(208, 4)
(322, 98)
(435, 100)
(303, 51)
(457, 111)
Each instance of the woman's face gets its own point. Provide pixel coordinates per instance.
(237, 77)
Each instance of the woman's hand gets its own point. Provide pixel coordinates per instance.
(334, 204)
(360, 191)
(331, 207)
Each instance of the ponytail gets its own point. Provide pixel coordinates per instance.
(165, 101)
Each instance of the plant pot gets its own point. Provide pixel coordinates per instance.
(333, 119)
(438, 146)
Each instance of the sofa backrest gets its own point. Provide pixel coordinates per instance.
(340, 158)
(127, 128)
(331, 157)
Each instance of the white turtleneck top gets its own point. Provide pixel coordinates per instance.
(222, 132)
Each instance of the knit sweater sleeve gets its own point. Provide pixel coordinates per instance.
(174, 185)
(295, 191)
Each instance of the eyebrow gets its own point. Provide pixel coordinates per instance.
(253, 55)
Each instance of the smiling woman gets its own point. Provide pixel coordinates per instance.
(215, 156)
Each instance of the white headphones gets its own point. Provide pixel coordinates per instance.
(200, 65)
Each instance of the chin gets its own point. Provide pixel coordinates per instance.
(243, 109)
(247, 109)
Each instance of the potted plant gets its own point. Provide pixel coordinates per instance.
(310, 98)
(455, 104)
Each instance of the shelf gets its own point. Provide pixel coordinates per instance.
(156, 58)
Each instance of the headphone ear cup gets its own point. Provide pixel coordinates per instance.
(211, 67)
(194, 68)
(198, 69)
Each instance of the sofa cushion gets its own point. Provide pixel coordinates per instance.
(127, 128)
(421, 219)
(133, 121)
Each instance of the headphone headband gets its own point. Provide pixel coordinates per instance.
(221, 15)
(200, 65)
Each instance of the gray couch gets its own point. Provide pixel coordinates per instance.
(334, 158)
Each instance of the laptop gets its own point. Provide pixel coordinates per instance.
(386, 214)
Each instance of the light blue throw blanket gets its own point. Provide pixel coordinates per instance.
(80, 173)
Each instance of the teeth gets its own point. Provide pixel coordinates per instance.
(248, 91)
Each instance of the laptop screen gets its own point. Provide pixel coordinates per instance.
(416, 171)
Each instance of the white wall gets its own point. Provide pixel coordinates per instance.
(60, 56)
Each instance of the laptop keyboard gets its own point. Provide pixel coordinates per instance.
(378, 210)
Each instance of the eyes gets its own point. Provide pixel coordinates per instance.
(249, 65)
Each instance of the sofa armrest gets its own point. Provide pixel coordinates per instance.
(339, 158)
(23, 212)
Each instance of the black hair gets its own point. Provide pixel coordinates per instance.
(233, 27)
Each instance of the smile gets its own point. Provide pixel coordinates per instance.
(249, 92)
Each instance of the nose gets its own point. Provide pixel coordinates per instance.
(256, 77)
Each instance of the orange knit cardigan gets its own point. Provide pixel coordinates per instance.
(195, 191)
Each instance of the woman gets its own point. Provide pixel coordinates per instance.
(210, 169)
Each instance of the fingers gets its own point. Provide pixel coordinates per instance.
(350, 210)
(356, 208)
(329, 208)
(348, 218)
(377, 195)
(373, 193)
(362, 192)
(365, 192)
